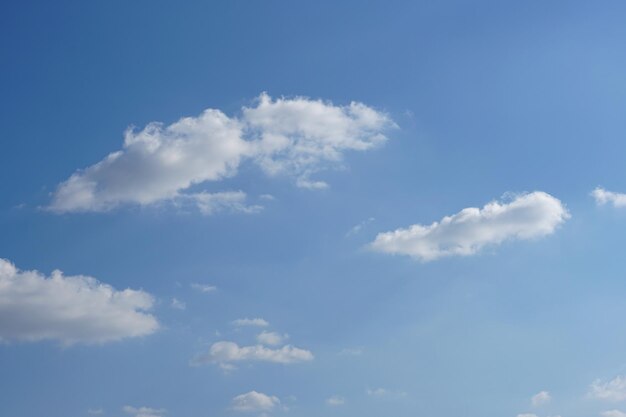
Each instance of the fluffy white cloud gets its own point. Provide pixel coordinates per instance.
(613, 413)
(603, 196)
(295, 137)
(613, 390)
(143, 411)
(70, 309)
(255, 401)
(256, 322)
(228, 352)
(335, 401)
(527, 415)
(527, 216)
(178, 305)
(541, 398)
(300, 136)
(271, 338)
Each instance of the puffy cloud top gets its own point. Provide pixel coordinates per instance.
(255, 401)
(69, 309)
(467, 232)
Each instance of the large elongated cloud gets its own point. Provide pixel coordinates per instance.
(527, 216)
(69, 309)
(295, 137)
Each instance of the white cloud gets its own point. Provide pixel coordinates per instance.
(613, 390)
(335, 401)
(178, 305)
(95, 411)
(271, 338)
(204, 287)
(70, 309)
(527, 216)
(254, 401)
(143, 411)
(613, 413)
(256, 322)
(296, 137)
(527, 415)
(603, 196)
(228, 352)
(541, 398)
(301, 136)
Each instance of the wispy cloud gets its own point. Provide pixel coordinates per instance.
(540, 398)
(143, 411)
(205, 288)
(178, 305)
(356, 351)
(527, 216)
(613, 413)
(357, 228)
(225, 352)
(255, 322)
(613, 390)
(385, 393)
(335, 401)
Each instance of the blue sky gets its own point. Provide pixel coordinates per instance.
(396, 208)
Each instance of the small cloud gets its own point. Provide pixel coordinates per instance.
(211, 203)
(357, 228)
(95, 411)
(204, 287)
(143, 411)
(271, 338)
(228, 352)
(335, 401)
(254, 401)
(255, 322)
(311, 185)
(613, 390)
(178, 305)
(603, 197)
(527, 415)
(267, 197)
(540, 398)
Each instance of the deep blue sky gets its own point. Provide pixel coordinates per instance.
(489, 97)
